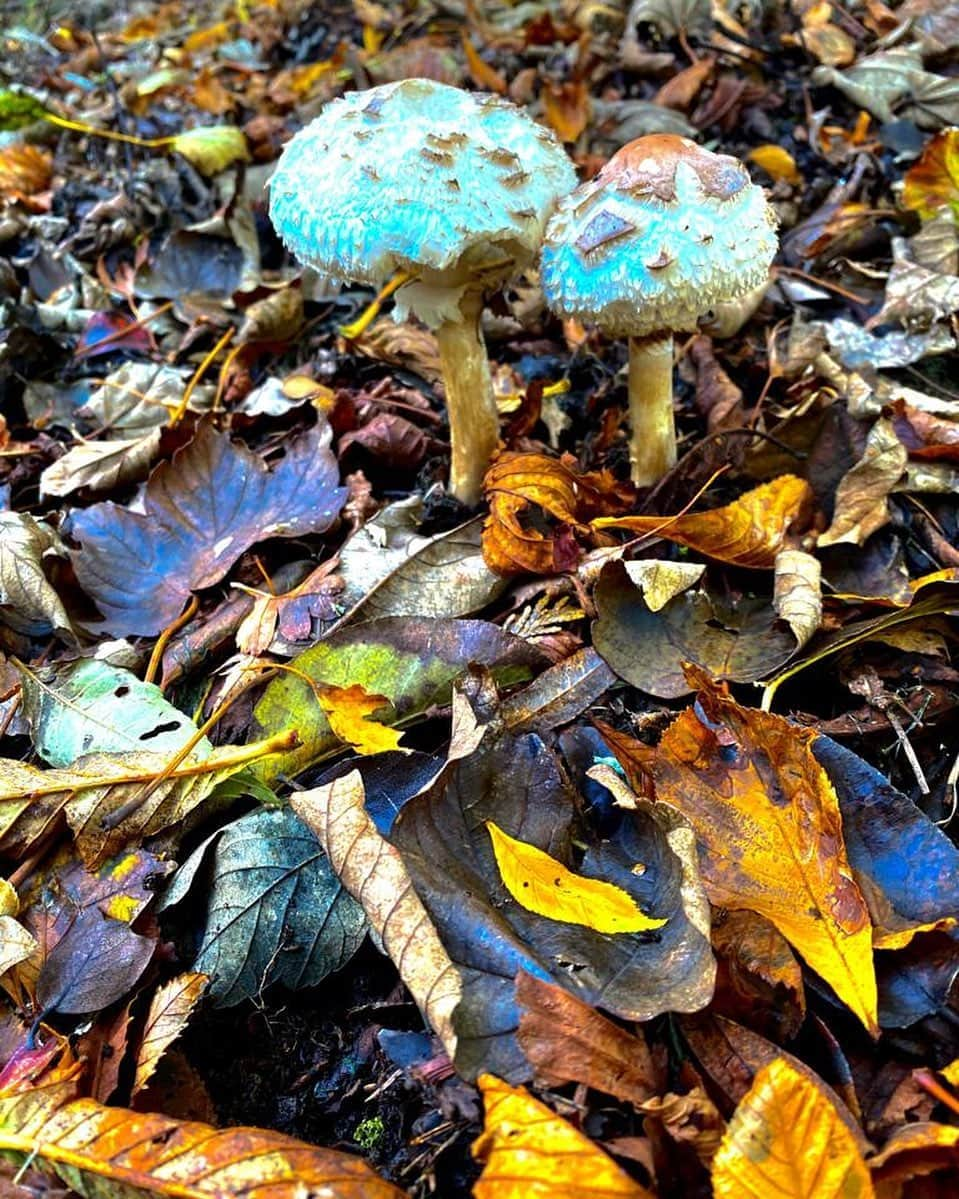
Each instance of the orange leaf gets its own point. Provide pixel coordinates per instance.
(170, 1009)
(787, 1139)
(777, 162)
(348, 708)
(483, 74)
(24, 170)
(770, 834)
(932, 182)
(748, 532)
(566, 108)
(514, 484)
(530, 1151)
(913, 1150)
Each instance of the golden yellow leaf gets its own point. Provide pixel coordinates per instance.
(566, 108)
(348, 708)
(170, 1009)
(770, 833)
(531, 1153)
(777, 162)
(912, 1151)
(932, 182)
(748, 532)
(787, 1139)
(544, 886)
(212, 148)
(484, 76)
(24, 170)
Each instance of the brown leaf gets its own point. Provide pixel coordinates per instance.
(748, 532)
(566, 1040)
(797, 593)
(24, 170)
(770, 834)
(515, 485)
(717, 396)
(170, 1009)
(527, 1150)
(681, 90)
(787, 1138)
(484, 76)
(566, 107)
(391, 439)
(863, 491)
(916, 1150)
(759, 978)
(923, 434)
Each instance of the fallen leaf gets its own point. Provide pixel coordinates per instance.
(737, 638)
(111, 1151)
(412, 662)
(759, 977)
(748, 532)
(212, 148)
(863, 492)
(559, 694)
(915, 295)
(139, 397)
(797, 593)
(661, 581)
(28, 602)
(544, 886)
(680, 91)
(566, 107)
(777, 162)
(170, 1010)
(516, 485)
(484, 76)
(925, 435)
(527, 1150)
(95, 963)
(787, 1138)
(914, 1151)
(201, 511)
(24, 170)
(374, 873)
(932, 182)
(566, 1040)
(671, 16)
(16, 944)
(101, 465)
(770, 834)
(348, 710)
(274, 910)
(893, 84)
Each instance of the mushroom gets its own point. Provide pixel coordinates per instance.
(666, 231)
(451, 188)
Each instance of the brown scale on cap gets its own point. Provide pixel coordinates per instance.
(647, 167)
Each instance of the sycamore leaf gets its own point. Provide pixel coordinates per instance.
(516, 485)
(105, 1152)
(170, 1009)
(544, 886)
(348, 710)
(786, 1138)
(748, 532)
(528, 1150)
(770, 834)
(212, 148)
(111, 800)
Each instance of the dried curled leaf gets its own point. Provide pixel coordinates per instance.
(529, 1150)
(932, 182)
(170, 1009)
(748, 532)
(862, 494)
(544, 886)
(348, 709)
(516, 485)
(787, 1138)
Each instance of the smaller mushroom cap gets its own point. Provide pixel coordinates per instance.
(664, 232)
(418, 176)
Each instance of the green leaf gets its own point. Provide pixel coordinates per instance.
(275, 910)
(411, 662)
(18, 109)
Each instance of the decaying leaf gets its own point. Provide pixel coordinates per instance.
(16, 943)
(28, 602)
(863, 492)
(916, 295)
(200, 512)
(170, 1009)
(770, 834)
(661, 581)
(893, 83)
(374, 874)
(212, 148)
(348, 710)
(787, 1138)
(274, 911)
(518, 484)
(101, 465)
(528, 1150)
(748, 532)
(544, 886)
(797, 595)
(932, 182)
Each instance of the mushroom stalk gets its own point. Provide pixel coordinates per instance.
(652, 444)
(474, 423)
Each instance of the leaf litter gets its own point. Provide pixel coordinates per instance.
(333, 807)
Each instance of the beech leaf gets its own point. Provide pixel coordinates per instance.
(544, 886)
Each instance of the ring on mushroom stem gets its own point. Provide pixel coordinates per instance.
(664, 233)
(450, 187)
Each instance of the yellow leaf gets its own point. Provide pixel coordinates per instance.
(212, 148)
(544, 886)
(777, 163)
(932, 182)
(170, 1009)
(787, 1139)
(531, 1153)
(748, 532)
(348, 708)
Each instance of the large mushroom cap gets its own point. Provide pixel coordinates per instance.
(663, 233)
(421, 177)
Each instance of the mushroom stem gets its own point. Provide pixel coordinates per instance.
(652, 438)
(474, 423)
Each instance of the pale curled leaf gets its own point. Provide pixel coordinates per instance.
(660, 581)
(212, 148)
(786, 1138)
(101, 465)
(28, 602)
(170, 1009)
(797, 593)
(374, 873)
(863, 492)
